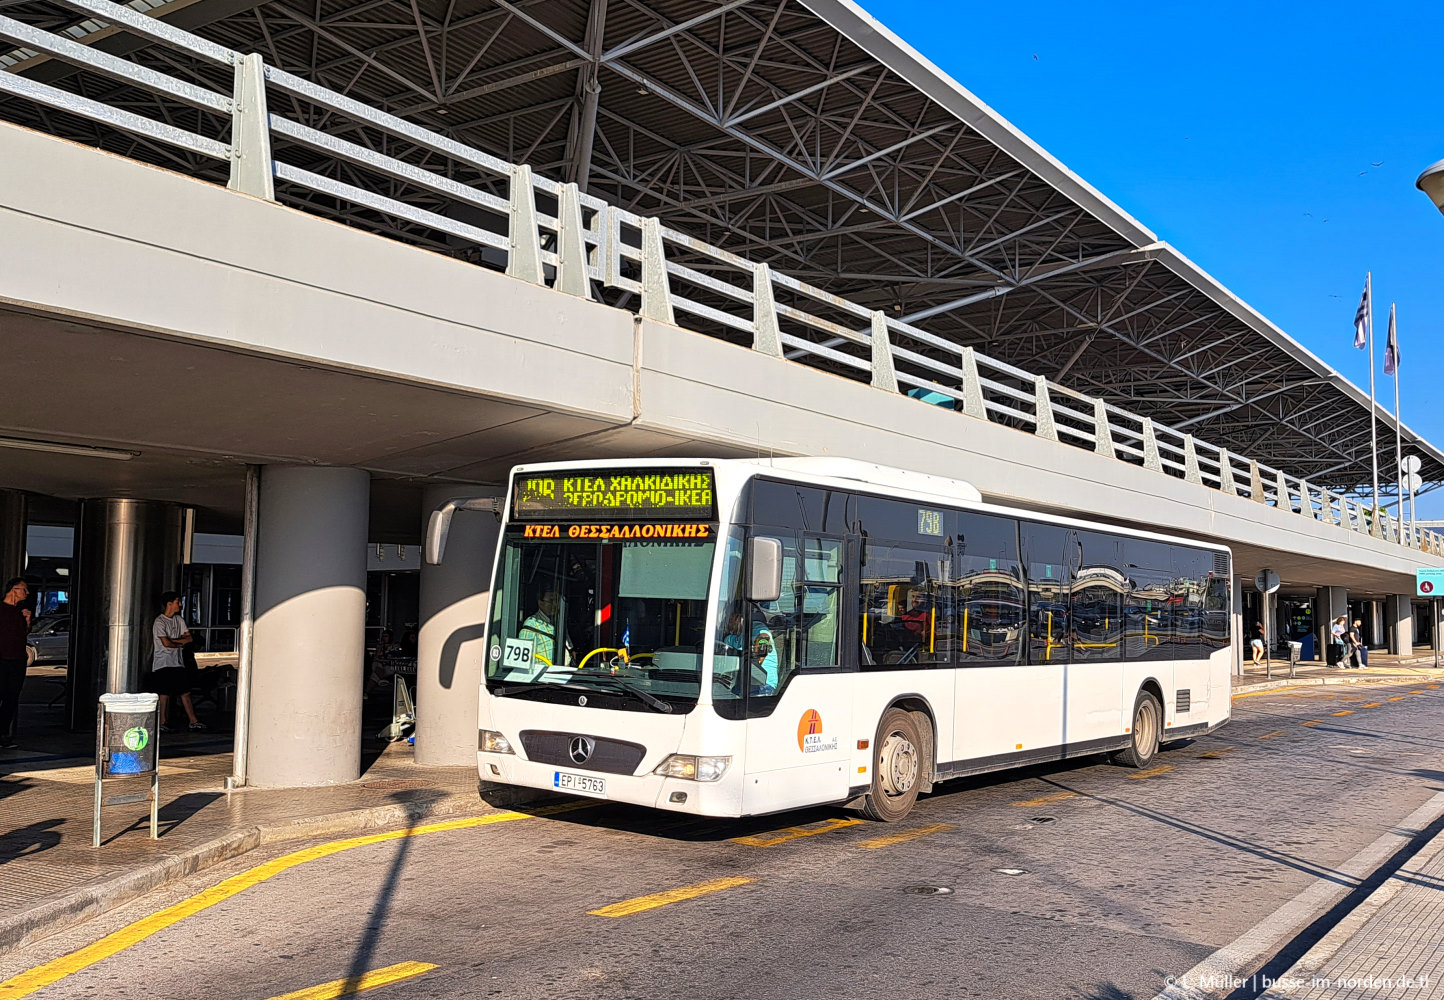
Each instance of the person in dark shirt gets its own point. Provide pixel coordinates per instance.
(14, 627)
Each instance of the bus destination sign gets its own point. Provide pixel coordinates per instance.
(615, 495)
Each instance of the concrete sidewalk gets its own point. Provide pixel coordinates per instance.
(1382, 667)
(1391, 947)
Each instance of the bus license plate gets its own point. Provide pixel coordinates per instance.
(580, 784)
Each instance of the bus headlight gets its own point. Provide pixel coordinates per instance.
(494, 742)
(683, 765)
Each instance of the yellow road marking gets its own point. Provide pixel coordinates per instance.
(1216, 754)
(1432, 687)
(1152, 772)
(1372, 704)
(1269, 736)
(794, 832)
(630, 906)
(366, 981)
(1311, 722)
(904, 836)
(1046, 800)
(52, 972)
(1347, 711)
(1416, 692)
(1397, 697)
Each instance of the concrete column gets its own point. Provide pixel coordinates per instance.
(1329, 603)
(1399, 613)
(127, 553)
(455, 597)
(308, 645)
(1436, 643)
(1240, 637)
(14, 519)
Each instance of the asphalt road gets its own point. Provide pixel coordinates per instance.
(1079, 880)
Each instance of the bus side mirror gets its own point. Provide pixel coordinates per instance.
(764, 569)
(438, 526)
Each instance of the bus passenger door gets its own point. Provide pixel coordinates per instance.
(799, 733)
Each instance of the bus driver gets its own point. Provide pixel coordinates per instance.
(541, 627)
(764, 656)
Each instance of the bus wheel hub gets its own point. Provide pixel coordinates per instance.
(898, 768)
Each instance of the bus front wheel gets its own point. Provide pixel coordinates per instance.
(897, 767)
(1147, 725)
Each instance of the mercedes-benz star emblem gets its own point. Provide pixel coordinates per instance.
(581, 749)
(582, 700)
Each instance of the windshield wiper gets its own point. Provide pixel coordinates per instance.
(652, 701)
(507, 689)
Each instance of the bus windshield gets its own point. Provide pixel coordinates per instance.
(619, 620)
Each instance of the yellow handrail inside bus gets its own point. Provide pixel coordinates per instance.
(678, 640)
(965, 629)
(933, 633)
(599, 649)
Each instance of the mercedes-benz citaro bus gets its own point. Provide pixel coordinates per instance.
(733, 638)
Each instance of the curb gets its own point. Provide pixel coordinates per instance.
(1353, 922)
(42, 921)
(1288, 682)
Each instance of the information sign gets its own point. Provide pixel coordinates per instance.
(1429, 582)
(615, 495)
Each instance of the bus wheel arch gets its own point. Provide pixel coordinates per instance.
(928, 730)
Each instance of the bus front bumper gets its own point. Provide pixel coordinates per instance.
(722, 797)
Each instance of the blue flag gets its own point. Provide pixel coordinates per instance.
(1391, 349)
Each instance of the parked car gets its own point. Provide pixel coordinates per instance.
(51, 639)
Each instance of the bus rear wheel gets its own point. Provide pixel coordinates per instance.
(1147, 725)
(897, 767)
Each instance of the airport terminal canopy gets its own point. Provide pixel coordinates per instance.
(805, 134)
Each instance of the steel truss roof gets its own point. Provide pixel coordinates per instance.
(803, 133)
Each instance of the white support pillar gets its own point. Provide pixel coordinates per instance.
(1043, 423)
(1151, 459)
(572, 276)
(524, 257)
(450, 658)
(1240, 636)
(1102, 430)
(1255, 483)
(1226, 482)
(973, 404)
(309, 647)
(883, 374)
(656, 286)
(1399, 616)
(766, 332)
(252, 170)
(1191, 472)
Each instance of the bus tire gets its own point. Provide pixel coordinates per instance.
(1147, 725)
(897, 767)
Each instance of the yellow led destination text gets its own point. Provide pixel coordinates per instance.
(665, 491)
(623, 531)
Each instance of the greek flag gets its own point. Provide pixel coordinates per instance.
(627, 636)
(1361, 319)
(1391, 349)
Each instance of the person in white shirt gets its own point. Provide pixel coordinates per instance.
(168, 670)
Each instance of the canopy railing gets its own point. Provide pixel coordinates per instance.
(549, 233)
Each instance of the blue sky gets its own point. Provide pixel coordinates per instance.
(1246, 135)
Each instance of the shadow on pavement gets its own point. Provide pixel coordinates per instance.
(27, 841)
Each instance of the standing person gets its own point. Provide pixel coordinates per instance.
(14, 627)
(168, 668)
(1338, 645)
(1355, 639)
(1257, 644)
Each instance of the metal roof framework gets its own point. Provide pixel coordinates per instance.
(802, 133)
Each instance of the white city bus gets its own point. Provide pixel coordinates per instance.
(733, 638)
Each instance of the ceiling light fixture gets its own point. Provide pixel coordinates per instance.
(56, 448)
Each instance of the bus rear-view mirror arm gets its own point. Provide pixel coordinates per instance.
(439, 525)
(764, 573)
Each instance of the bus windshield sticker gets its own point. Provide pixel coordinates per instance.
(615, 494)
(930, 522)
(517, 656)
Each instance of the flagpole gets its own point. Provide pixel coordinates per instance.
(1398, 425)
(1373, 417)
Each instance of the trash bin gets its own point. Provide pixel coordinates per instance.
(128, 730)
(125, 747)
